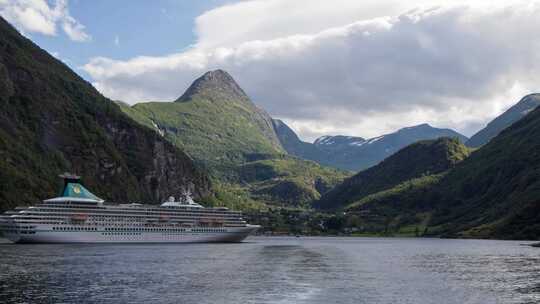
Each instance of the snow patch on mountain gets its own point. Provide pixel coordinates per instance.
(375, 139)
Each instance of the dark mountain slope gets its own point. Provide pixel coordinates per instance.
(294, 145)
(53, 121)
(414, 161)
(503, 121)
(496, 191)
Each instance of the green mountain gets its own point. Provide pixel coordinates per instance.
(216, 123)
(420, 159)
(494, 193)
(503, 121)
(288, 180)
(52, 121)
(356, 153)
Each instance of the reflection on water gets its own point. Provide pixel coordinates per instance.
(274, 270)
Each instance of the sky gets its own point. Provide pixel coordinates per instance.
(348, 67)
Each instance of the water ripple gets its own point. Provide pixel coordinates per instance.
(274, 270)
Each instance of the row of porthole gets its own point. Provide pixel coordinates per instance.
(15, 231)
(169, 231)
(145, 229)
(208, 230)
(133, 234)
(75, 228)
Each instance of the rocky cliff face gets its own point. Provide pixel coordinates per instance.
(166, 170)
(53, 121)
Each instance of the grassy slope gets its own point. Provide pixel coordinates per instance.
(219, 127)
(216, 136)
(401, 210)
(421, 158)
(288, 180)
(404, 195)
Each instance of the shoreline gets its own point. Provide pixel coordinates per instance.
(531, 243)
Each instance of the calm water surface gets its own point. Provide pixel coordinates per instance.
(274, 270)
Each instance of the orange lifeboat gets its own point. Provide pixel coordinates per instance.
(79, 218)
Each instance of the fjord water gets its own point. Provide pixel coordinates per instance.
(274, 270)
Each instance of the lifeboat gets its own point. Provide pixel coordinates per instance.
(217, 223)
(78, 218)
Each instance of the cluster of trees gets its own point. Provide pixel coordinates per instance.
(282, 221)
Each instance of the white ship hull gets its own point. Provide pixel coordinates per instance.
(78, 216)
(231, 235)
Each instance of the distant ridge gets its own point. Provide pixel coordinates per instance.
(356, 153)
(503, 121)
(294, 145)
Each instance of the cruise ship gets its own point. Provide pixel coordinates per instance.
(78, 216)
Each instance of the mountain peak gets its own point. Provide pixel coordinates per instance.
(216, 85)
(420, 126)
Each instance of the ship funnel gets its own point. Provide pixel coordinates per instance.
(74, 190)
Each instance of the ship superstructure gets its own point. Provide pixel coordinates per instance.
(78, 216)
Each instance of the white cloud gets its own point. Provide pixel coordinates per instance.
(450, 65)
(38, 16)
(74, 30)
(116, 40)
(244, 21)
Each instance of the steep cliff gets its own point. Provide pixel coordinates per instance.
(53, 121)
